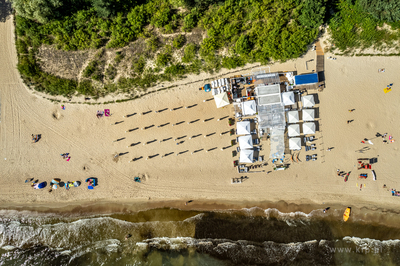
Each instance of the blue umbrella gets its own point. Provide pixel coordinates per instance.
(42, 185)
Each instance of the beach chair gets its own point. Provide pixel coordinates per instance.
(107, 112)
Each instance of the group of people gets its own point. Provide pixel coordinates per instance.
(66, 156)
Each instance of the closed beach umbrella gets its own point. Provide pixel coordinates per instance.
(288, 98)
(221, 99)
(245, 142)
(292, 116)
(246, 156)
(294, 130)
(308, 101)
(243, 128)
(308, 114)
(294, 144)
(308, 128)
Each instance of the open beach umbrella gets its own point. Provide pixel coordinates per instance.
(55, 186)
(288, 98)
(221, 99)
(308, 114)
(41, 185)
(77, 183)
(246, 156)
(294, 144)
(243, 128)
(249, 108)
(308, 128)
(308, 101)
(292, 116)
(245, 142)
(294, 130)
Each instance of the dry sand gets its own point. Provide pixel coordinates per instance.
(351, 82)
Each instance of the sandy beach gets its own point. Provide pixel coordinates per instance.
(351, 83)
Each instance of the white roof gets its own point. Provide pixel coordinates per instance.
(308, 101)
(292, 116)
(308, 114)
(245, 142)
(249, 108)
(246, 156)
(294, 144)
(221, 99)
(268, 90)
(288, 98)
(243, 128)
(309, 128)
(294, 130)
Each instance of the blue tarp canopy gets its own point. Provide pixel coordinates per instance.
(306, 79)
(207, 87)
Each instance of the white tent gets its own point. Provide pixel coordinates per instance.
(243, 128)
(246, 156)
(245, 142)
(249, 108)
(294, 130)
(292, 116)
(221, 99)
(308, 100)
(309, 128)
(288, 98)
(308, 114)
(294, 144)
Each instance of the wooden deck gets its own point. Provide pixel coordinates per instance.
(320, 57)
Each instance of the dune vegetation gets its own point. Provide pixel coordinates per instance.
(135, 44)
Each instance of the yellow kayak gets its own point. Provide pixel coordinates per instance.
(346, 214)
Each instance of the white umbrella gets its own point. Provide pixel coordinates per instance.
(243, 128)
(288, 98)
(308, 128)
(221, 99)
(294, 144)
(308, 114)
(245, 142)
(249, 107)
(292, 116)
(308, 100)
(294, 130)
(246, 156)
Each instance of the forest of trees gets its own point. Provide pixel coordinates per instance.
(245, 31)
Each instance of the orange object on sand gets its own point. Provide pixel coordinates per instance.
(346, 214)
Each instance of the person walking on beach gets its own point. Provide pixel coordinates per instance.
(326, 209)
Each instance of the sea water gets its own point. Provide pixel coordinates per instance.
(177, 237)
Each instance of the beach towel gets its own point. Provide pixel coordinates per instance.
(63, 107)
(107, 112)
(386, 90)
(68, 159)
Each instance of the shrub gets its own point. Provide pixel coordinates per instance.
(153, 43)
(90, 69)
(179, 41)
(384, 10)
(138, 65)
(85, 87)
(190, 53)
(111, 72)
(232, 62)
(189, 22)
(312, 13)
(243, 45)
(163, 59)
